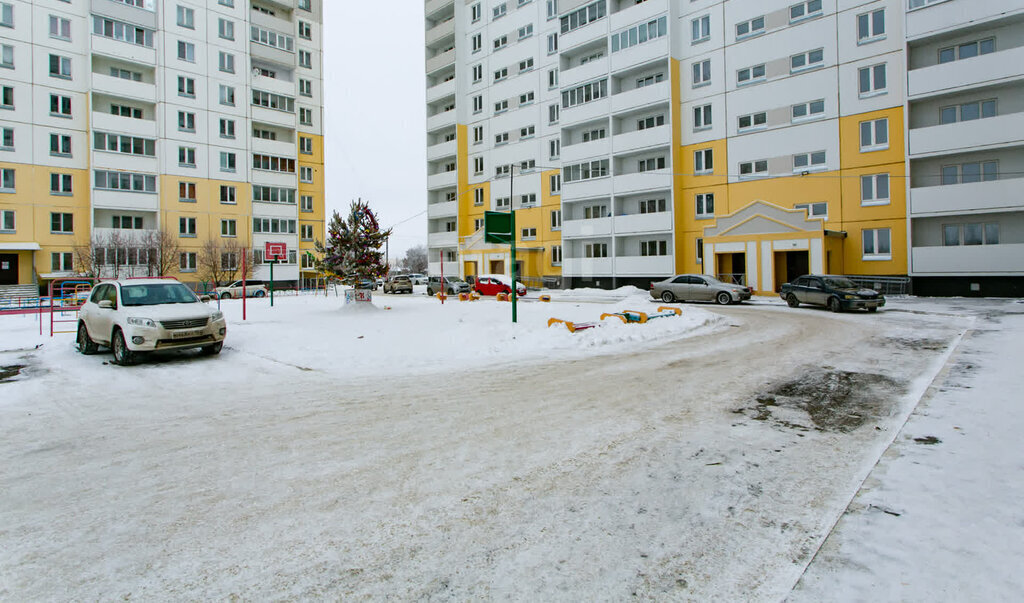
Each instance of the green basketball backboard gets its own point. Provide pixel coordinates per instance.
(498, 227)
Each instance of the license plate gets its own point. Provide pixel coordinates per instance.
(186, 334)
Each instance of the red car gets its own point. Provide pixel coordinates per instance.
(493, 284)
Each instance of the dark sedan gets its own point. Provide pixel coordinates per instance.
(837, 293)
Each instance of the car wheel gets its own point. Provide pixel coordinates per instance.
(122, 355)
(85, 344)
(225, 295)
(834, 305)
(667, 297)
(430, 292)
(792, 301)
(451, 291)
(723, 298)
(872, 309)
(212, 350)
(261, 293)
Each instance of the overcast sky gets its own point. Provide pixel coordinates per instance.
(375, 114)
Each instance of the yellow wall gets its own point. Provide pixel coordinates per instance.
(317, 189)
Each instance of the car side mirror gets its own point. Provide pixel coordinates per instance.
(106, 304)
(204, 298)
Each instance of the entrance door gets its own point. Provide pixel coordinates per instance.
(8, 269)
(790, 265)
(497, 266)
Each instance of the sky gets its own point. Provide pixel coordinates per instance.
(375, 115)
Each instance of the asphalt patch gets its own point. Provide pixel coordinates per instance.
(825, 400)
(911, 343)
(8, 373)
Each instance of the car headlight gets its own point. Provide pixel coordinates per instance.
(218, 315)
(141, 322)
(848, 296)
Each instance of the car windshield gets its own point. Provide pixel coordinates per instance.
(451, 279)
(712, 280)
(841, 283)
(156, 294)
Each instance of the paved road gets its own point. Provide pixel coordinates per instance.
(671, 474)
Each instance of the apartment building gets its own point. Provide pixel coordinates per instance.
(966, 146)
(124, 119)
(753, 141)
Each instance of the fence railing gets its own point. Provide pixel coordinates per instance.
(887, 285)
(734, 278)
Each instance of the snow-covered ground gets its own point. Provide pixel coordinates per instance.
(414, 450)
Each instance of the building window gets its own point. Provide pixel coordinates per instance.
(229, 260)
(807, 60)
(526, 31)
(7, 224)
(528, 234)
(7, 97)
(649, 248)
(186, 121)
(967, 173)
(552, 79)
(477, 42)
(872, 80)
(7, 56)
(187, 192)
(186, 17)
(125, 181)
(753, 121)
(273, 101)
(306, 203)
(500, 42)
(700, 251)
(475, 13)
(187, 86)
(227, 128)
(526, 65)
(305, 174)
(595, 250)
(228, 228)
(871, 26)
(186, 227)
(227, 95)
(805, 162)
(187, 157)
(499, 11)
(814, 210)
(556, 219)
(752, 169)
(650, 164)
(552, 43)
(750, 75)
(652, 206)
(553, 114)
(305, 59)
(702, 73)
(967, 50)
(227, 194)
(705, 203)
(123, 32)
(585, 171)
(554, 148)
(700, 29)
(874, 189)
(7, 140)
(60, 184)
(6, 14)
(305, 145)
(528, 200)
(61, 261)
(478, 196)
(804, 10)
(7, 180)
(584, 16)
(273, 194)
(478, 165)
(121, 143)
(306, 5)
(226, 29)
(60, 28)
(226, 62)
(877, 243)
(556, 255)
(186, 51)
(527, 98)
(306, 232)
(970, 234)
(60, 145)
(305, 87)
(126, 222)
(227, 161)
(703, 161)
(750, 28)
(305, 30)
(808, 110)
(584, 94)
(60, 106)
(62, 223)
(60, 67)
(874, 135)
(652, 30)
(702, 117)
(187, 262)
(967, 112)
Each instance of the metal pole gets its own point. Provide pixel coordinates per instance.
(441, 253)
(272, 282)
(512, 237)
(243, 284)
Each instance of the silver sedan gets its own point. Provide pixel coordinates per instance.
(699, 287)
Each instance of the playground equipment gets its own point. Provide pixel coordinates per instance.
(544, 298)
(66, 298)
(626, 316)
(502, 297)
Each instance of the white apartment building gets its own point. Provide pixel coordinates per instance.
(201, 118)
(754, 141)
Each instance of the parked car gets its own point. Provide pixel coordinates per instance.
(132, 317)
(451, 285)
(699, 287)
(837, 293)
(417, 278)
(367, 283)
(235, 290)
(398, 284)
(493, 284)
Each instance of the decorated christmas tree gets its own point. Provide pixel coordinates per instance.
(352, 250)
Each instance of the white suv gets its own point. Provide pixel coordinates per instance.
(145, 315)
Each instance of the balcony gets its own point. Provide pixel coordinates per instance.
(644, 223)
(125, 200)
(586, 266)
(640, 54)
(273, 84)
(585, 112)
(937, 17)
(115, 86)
(582, 74)
(443, 119)
(642, 12)
(978, 71)
(586, 189)
(642, 181)
(447, 209)
(106, 122)
(584, 35)
(271, 54)
(973, 260)
(123, 50)
(971, 135)
(640, 97)
(660, 265)
(434, 6)
(442, 239)
(442, 180)
(442, 90)
(575, 153)
(440, 31)
(273, 117)
(269, 178)
(440, 61)
(273, 147)
(952, 199)
(586, 229)
(444, 149)
(123, 235)
(106, 160)
(642, 139)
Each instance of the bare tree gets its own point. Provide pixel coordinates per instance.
(221, 262)
(163, 251)
(415, 259)
(89, 257)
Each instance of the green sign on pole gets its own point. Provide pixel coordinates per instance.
(498, 227)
